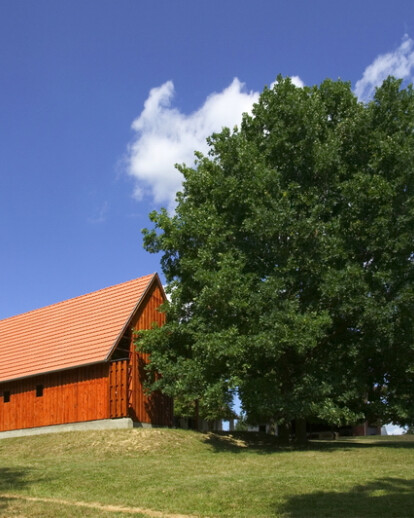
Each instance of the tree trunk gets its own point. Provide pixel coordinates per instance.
(300, 431)
(197, 416)
(283, 432)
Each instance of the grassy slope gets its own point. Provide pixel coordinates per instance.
(208, 475)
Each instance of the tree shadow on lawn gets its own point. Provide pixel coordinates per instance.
(360, 443)
(11, 480)
(385, 498)
(238, 442)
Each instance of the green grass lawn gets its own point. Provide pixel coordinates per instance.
(183, 472)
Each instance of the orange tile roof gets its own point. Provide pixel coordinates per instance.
(71, 333)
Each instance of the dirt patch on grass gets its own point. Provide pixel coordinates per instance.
(150, 513)
(142, 441)
(242, 441)
(229, 439)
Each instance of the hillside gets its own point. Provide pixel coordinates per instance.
(177, 473)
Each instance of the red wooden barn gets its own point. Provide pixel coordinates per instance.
(75, 361)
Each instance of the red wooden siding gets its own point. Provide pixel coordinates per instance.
(156, 409)
(118, 393)
(68, 396)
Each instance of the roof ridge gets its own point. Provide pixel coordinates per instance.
(77, 297)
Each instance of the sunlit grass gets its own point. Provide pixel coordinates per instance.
(178, 471)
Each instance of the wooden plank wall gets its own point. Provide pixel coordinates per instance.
(118, 397)
(68, 396)
(156, 409)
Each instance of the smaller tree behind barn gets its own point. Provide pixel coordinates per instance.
(290, 262)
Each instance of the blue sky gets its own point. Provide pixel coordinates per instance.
(99, 99)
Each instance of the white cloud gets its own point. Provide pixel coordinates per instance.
(166, 136)
(297, 81)
(399, 63)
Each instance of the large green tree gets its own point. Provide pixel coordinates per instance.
(290, 261)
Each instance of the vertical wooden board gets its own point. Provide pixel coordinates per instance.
(81, 397)
(49, 407)
(116, 390)
(38, 410)
(88, 393)
(113, 391)
(122, 388)
(121, 397)
(103, 404)
(59, 409)
(110, 395)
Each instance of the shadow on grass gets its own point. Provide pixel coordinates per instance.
(385, 498)
(362, 443)
(238, 442)
(11, 480)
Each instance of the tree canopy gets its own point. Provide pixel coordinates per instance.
(290, 261)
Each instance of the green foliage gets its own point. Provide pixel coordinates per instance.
(241, 424)
(290, 261)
